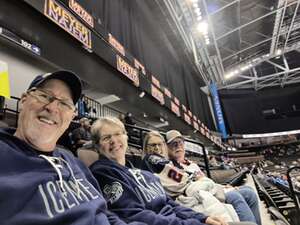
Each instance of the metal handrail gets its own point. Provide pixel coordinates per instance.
(16, 111)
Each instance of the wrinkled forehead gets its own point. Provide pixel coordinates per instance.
(57, 87)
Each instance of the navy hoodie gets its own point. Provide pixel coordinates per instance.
(137, 195)
(34, 191)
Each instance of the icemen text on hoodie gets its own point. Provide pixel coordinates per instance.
(47, 190)
(137, 195)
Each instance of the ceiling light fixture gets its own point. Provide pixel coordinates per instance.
(228, 76)
(203, 27)
(197, 10)
(142, 94)
(278, 53)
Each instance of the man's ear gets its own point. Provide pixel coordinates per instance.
(22, 100)
(74, 114)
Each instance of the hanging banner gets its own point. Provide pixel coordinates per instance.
(155, 81)
(156, 93)
(176, 100)
(167, 92)
(218, 110)
(187, 119)
(175, 109)
(4, 80)
(80, 11)
(128, 70)
(68, 22)
(117, 45)
(195, 124)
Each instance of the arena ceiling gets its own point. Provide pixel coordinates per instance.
(240, 43)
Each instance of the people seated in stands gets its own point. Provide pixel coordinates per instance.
(128, 119)
(177, 183)
(190, 178)
(131, 193)
(212, 161)
(83, 109)
(82, 134)
(40, 183)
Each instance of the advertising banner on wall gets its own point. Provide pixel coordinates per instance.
(4, 80)
(68, 22)
(218, 109)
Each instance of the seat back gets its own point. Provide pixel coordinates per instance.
(87, 156)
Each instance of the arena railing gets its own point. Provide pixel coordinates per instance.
(15, 101)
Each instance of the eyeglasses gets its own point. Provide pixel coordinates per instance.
(176, 144)
(108, 138)
(153, 145)
(46, 98)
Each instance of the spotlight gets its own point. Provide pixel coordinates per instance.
(142, 94)
(203, 27)
(278, 53)
(195, 4)
(199, 18)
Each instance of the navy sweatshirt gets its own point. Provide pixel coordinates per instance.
(137, 195)
(33, 191)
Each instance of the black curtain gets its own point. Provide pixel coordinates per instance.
(135, 24)
(264, 111)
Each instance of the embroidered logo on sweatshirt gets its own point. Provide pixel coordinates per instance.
(113, 191)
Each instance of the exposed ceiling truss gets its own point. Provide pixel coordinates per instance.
(252, 44)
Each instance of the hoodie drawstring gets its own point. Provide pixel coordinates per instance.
(57, 167)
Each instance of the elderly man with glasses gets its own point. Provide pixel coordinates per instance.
(243, 199)
(40, 183)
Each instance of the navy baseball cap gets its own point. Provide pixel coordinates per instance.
(70, 78)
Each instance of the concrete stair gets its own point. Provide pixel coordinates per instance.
(265, 216)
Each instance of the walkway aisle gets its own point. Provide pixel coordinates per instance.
(265, 216)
